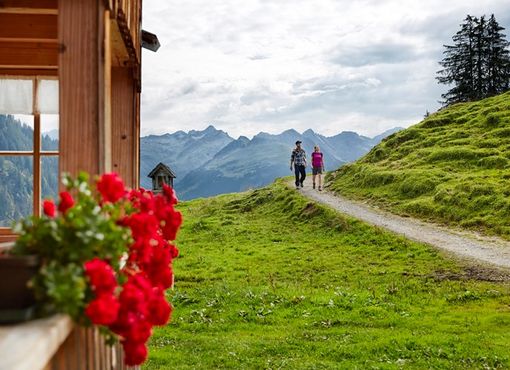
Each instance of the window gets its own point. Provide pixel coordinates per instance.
(28, 147)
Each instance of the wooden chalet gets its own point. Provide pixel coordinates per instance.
(88, 53)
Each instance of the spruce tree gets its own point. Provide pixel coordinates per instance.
(477, 65)
(498, 59)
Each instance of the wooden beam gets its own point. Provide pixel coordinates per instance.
(29, 54)
(29, 71)
(22, 40)
(106, 96)
(37, 4)
(81, 63)
(28, 11)
(32, 26)
(120, 55)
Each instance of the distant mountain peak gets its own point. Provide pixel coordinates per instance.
(308, 132)
(209, 161)
(290, 131)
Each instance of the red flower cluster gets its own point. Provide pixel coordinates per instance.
(140, 303)
(66, 202)
(49, 208)
(111, 187)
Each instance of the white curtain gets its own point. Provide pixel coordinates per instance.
(16, 96)
(47, 97)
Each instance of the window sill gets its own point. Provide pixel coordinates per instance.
(31, 345)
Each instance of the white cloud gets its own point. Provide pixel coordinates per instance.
(332, 65)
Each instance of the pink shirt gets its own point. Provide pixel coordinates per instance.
(317, 159)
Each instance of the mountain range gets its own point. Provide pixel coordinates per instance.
(210, 162)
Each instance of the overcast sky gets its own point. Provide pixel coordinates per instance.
(270, 65)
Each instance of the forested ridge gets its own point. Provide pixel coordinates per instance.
(16, 172)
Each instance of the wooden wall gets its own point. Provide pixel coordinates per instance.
(99, 103)
(85, 349)
(124, 133)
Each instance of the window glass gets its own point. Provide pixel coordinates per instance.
(49, 177)
(16, 132)
(16, 188)
(49, 132)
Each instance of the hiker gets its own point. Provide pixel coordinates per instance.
(298, 157)
(317, 165)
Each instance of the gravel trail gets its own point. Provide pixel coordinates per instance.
(466, 245)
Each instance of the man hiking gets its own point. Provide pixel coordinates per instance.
(298, 158)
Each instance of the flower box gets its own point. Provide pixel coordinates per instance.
(17, 302)
(106, 260)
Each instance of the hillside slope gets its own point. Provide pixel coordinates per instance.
(267, 279)
(453, 168)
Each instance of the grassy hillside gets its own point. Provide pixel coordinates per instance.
(453, 167)
(267, 280)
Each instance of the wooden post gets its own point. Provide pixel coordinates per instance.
(81, 82)
(124, 133)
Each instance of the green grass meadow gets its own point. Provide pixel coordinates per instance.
(452, 168)
(269, 280)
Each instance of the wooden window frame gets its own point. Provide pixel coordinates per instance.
(6, 233)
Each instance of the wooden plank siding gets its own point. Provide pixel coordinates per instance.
(86, 349)
(34, 55)
(30, 26)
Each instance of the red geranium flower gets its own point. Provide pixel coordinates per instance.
(125, 320)
(103, 310)
(162, 277)
(101, 275)
(142, 225)
(170, 194)
(66, 202)
(139, 331)
(49, 208)
(133, 298)
(135, 353)
(141, 281)
(159, 309)
(111, 187)
(171, 224)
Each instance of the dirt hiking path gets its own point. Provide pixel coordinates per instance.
(466, 245)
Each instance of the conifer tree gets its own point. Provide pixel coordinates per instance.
(477, 65)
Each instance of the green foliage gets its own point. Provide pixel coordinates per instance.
(453, 168)
(64, 243)
(62, 288)
(267, 279)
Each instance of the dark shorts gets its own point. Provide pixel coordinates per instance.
(316, 170)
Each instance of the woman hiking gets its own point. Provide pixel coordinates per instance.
(317, 166)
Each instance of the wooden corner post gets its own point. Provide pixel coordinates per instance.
(83, 87)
